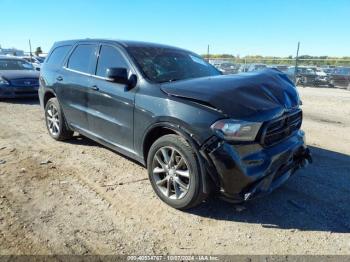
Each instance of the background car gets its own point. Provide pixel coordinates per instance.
(228, 68)
(35, 61)
(340, 77)
(307, 76)
(256, 67)
(328, 71)
(18, 78)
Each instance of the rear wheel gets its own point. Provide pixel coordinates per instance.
(55, 121)
(174, 172)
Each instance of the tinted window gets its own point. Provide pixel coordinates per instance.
(57, 55)
(109, 57)
(81, 58)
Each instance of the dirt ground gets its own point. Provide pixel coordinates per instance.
(77, 197)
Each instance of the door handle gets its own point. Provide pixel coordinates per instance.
(95, 87)
(59, 78)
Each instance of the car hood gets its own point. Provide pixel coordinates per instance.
(255, 96)
(16, 74)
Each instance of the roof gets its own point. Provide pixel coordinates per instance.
(124, 43)
(10, 57)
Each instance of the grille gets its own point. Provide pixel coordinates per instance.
(25, 82)
(279, 129)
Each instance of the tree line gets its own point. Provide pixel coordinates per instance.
(289, 60)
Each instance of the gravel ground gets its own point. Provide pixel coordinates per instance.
(78, 197)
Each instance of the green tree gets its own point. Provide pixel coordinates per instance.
(38, 51)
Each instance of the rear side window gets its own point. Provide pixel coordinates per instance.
(109, 57)
(58, 54)
(82, 58)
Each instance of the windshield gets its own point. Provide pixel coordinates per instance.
(168, 64)
(14, 64)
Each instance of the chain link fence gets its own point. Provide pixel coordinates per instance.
(331, 72)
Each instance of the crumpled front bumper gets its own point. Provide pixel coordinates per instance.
(249, 171)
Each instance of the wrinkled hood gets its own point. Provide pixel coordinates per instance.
(257, 96)
(16, 74)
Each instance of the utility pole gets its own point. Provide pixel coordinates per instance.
(30, 49)
(208, 53)
(296, 64)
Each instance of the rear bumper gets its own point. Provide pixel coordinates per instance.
(249, 171)
(17, 92)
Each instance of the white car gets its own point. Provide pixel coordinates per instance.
(34, 61)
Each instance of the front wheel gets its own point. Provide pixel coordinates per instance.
(55, 121)
(174, 173)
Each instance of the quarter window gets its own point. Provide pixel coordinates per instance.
(109, 57)
(58, 54)
(82, 58)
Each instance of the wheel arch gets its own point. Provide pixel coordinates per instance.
(163, 128)
(47, 96)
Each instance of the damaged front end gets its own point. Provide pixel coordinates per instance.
(247, 171)
(257, 144)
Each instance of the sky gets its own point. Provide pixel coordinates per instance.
(238, 27)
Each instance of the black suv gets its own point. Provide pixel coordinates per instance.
(197, 131)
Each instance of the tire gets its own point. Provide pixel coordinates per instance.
(176, 182)
(55, 122)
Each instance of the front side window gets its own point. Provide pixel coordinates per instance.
(82, 58)
(14, 64)
(109, 57)
(170, 64)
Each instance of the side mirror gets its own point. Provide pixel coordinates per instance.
(118, 75)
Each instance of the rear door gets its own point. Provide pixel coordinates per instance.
(112, 104)
(76, 83)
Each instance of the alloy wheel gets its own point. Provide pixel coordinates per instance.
(171, 173)
(53, 121)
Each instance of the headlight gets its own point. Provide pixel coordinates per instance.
(234, 130)
(3, 82)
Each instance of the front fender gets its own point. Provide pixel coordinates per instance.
(189, 137)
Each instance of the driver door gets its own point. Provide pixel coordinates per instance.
(111, 104)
